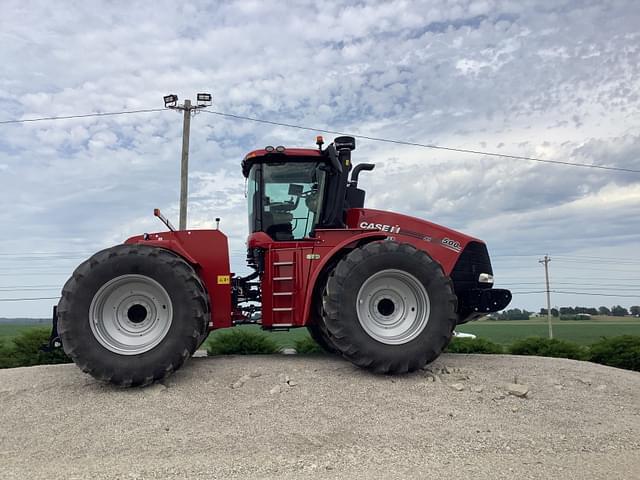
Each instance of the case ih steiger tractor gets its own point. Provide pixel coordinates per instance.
(381, 289)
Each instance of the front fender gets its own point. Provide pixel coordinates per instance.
(332, 246)
(208, 253)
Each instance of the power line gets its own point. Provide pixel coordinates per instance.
(597, 262)
(598, 258)
(85, 115)
(576, 293)
(42, 258)
(577, 284)
(595, 294)
(335, 132)
(561, 277)
(44, 253)
(527, 293)
(579, 269)
(570, 260)
(579, 261)
(31, 268)
(635, 290)
(499, 255)
(27, 299)
(586, 268)
(2, 289)
(423, 145)
(29, 274)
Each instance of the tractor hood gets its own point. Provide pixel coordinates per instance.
(440, 242)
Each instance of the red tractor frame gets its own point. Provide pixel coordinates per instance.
(382, 289)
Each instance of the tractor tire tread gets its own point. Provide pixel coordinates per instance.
(342, 322)
(142, 376)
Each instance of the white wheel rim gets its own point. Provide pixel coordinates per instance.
(130, 314)
(393, 307)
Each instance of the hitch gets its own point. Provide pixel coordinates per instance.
(54, 339)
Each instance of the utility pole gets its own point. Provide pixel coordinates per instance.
(171, 101)
(184, 164)
(546, 261)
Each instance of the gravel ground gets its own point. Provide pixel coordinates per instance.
(319, 417)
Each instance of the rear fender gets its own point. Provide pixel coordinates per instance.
(208, 253)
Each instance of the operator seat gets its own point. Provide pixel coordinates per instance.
(278, 227)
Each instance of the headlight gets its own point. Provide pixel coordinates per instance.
(485, 278)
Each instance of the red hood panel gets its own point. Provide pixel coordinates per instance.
(442, 243)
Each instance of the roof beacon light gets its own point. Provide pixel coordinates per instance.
(319, 141)
(280, 149)
(269, 148)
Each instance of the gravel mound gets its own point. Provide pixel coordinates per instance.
(465, 416)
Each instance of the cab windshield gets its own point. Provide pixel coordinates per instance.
(285, 198)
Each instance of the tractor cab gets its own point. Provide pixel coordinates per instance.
(291, 192)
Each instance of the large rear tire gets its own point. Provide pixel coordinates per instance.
(132, 314)
(389, 308)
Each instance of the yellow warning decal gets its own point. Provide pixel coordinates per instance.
(224, 279)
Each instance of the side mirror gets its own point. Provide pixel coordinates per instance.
(295, 190)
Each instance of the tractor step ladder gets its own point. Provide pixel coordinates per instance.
(283, 288)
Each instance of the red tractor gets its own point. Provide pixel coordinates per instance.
(381, 289)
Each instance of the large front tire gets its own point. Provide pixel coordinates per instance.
(132, 314)
(389, 307)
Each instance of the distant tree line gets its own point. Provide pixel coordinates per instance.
(568, 312)
(615, 311)
(514, 314)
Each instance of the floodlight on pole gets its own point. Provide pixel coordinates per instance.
(203, 99)
(171, 101)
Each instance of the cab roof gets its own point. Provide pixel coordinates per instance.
(288, 154)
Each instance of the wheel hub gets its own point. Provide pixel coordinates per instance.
(130, 314)
(386, 307)
(393, 307)
(137, 313)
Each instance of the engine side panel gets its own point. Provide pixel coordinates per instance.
(442, 244)
(208, 252)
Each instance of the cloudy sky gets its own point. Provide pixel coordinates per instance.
(556, 80)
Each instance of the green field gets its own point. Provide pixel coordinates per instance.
(583, 332)
(505, 332)
(8, 331)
